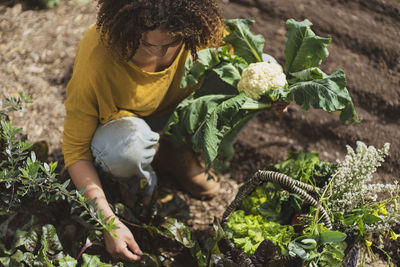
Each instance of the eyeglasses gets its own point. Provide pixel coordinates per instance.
(174, 43)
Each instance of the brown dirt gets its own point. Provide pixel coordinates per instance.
(37, 48)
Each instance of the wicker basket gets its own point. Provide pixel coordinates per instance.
(270, 256)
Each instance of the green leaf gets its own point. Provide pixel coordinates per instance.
(189, 115)
(331, 236)
(192, 71)
(65, 184)
(146, 260)
(303, 48)
(218, 124)
(307, 243)
(178, 231)
(67, 261)
(348, 114)
(370, 219)
(27, 238)
(296, 250)
(245, 43)
(361, 226)
(50, 240)
(352, 219)
(15, 260)
(228, 73)
(53, 167)
(307, 75)
(332, 254)
(93, 261)
(329, 94)
(5, 223)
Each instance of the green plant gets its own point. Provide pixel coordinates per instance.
(214, 118)
(24, 178)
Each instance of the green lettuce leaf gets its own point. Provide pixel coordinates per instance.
(248, 231)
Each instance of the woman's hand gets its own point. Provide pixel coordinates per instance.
(124, 246)
(83, 174)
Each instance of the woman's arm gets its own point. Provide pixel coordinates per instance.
(83, 173)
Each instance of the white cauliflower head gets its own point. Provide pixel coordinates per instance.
(259, 77)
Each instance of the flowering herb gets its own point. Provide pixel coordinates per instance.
(360, 207)
(214, 116)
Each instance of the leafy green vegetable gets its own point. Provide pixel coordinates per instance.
(272, 203)
(248, 231)
(307, 168)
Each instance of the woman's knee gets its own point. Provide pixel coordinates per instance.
(124, 147)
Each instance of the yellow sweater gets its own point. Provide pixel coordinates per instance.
(102, 88)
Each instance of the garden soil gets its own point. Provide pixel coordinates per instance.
(37, 49)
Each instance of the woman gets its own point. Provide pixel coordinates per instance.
(125, 83)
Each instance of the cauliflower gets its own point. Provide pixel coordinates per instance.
(260, 77)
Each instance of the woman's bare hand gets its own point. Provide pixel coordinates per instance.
(124, 246)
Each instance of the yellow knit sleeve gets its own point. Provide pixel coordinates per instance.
(80, 123)
(82, 115)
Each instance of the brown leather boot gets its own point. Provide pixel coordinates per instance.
(187, 168)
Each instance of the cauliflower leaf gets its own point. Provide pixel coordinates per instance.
(244, 42)
(303, 48)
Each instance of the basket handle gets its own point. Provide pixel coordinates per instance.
(282, 179)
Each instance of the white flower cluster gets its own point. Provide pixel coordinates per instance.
(383, 226)
(260, 77)
(372, 191)
(349, 182)
(350, 189)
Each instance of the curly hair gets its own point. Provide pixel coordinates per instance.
(122, 23)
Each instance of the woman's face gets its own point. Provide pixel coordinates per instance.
(159, 43)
